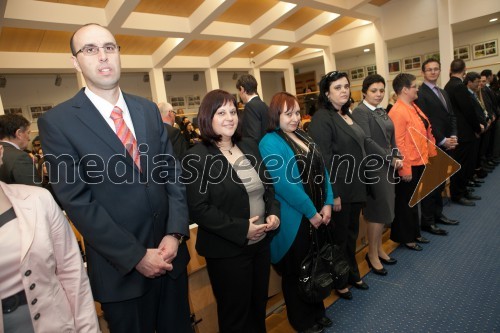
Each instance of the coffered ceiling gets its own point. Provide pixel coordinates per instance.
(172, 31)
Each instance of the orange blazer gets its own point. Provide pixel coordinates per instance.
(416, 149)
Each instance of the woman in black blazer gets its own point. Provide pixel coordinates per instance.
(235, 209)
(341, 142)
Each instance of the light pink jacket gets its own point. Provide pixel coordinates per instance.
(51, 265)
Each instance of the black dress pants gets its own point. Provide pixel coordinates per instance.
(406, 228)
(432, 206)
(301, 315)
(345, 234)
(464, 155)
(240, 285)
(163, 309)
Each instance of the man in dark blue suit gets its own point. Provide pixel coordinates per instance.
(255, 116)
(118, 182)
(436, 105)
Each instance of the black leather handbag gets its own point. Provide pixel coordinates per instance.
(315, 279)
(337, 263)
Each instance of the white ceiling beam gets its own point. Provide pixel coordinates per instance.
(268, 54)
(156, 25)
(272, 17)
(276, 65)
(232, 30)
(188, 63)
(223, 53)
(167, 51)
(236, 64)
(117, 12)
(279, 35)
(206, 13)
(314, 25)
(50, 16)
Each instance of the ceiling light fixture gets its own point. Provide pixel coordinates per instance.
(366, 50)
(494, 19)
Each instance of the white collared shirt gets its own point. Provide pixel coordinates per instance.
(369, 106)
(105, 108)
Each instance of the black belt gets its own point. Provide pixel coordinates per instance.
(11, 303)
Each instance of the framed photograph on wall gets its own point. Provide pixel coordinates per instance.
(192, 101)
(357, 73)
(372, 69)
(485, 49)
(412, 63)
(395, 66)
(177, 101)
(38, 111)
(18, 111)
(462, 52)
(434, 55)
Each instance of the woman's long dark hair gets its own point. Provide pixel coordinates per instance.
(324, 88)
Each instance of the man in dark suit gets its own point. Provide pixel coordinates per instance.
(490, 101)
(255, 116)
(469, 129)
(18, 167)
(434, 102)
(111, 167)
(175, 136)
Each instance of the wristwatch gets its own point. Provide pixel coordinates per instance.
(180, 237)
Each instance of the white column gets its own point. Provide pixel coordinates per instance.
(211, 78)
(157, 83)
(329, 60)
(256, 74)
(381, 57)
(80, 80)
(290, 80)
(445, 40)
(1, 106)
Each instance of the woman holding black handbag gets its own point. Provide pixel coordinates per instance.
(305, 195)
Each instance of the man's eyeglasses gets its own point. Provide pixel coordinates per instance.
(429, 70)
(90, 50)
(175, 113)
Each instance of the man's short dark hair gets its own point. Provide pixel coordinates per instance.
(486, 72)
(402, 80)
(471, 77)
(71, 46)
(209, 105)
(371, 79)
(10, 123)
(457, 66)
(428, 61)
(276, 108)
(248, 82)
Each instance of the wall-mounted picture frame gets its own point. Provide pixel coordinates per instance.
(395, 66)
(192, 101)
(412, 63)
(485, 49)
(38, 110)
(434, 55)
(372, 69)
(357, 73)
(462, 52)
(177, 101)
(17, 110)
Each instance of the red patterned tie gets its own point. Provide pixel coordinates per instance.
(125, 135)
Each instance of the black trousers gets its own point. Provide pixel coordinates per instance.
(301, 315)
(345, 234)
(464, 154)
(432, 207)
(163, 309)
(240, 285)
(406, 228)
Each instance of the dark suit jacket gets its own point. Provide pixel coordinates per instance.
(467, 122)
(444, 122)
(336, 139)
(18, 167)
(119, 211)
(177, 140)
(255, 119)
(218, 201)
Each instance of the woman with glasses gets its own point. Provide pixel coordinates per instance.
(342, 141)
(306, 199)
(416, 144)
(382, 151)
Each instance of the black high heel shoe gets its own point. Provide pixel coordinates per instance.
(381, 271)
(390, 261)
(347, 295)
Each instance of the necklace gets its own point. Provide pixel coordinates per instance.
(228, 150)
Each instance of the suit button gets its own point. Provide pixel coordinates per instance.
(36, 316)
(32, 286)
(155, 215)
(147, 184)
(27, 273)
(33, 302)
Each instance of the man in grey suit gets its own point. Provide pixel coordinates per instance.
(436, 105)
(18, 167)
(255, 117)
(112, 168)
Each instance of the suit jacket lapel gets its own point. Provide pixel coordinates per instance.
(346, 128)
(379, 122)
